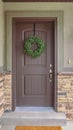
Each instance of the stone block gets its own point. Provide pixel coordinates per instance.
(65, 103)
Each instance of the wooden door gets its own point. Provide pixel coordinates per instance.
(34, 84)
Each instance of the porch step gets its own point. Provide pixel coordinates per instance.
(34, 118)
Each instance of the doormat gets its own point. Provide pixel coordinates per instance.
(38, 128)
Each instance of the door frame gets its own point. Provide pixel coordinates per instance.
(14, 21)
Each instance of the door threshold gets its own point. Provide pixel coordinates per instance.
(29, 109)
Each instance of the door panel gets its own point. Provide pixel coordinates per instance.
(33, 87)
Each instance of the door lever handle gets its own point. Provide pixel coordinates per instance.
(50, 76)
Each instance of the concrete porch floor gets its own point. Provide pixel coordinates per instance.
(34, 117)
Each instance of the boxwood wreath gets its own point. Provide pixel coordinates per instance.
(28, 46)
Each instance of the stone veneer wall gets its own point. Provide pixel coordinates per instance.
(64, 96)
(8, 91)
(1, 95)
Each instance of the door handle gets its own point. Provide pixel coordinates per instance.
(50, 75)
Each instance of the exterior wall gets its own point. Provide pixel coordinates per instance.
(1, 35)
(2, 101)
(5, 93)
(65, 95)
(8, 91)
(1, 59)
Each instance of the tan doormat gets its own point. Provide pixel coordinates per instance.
(38, 128)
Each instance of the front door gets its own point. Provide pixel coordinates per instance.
(34, 76)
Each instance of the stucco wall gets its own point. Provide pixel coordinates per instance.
(65, 53)
(1, 35)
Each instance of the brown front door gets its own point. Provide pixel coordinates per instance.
(34, 83)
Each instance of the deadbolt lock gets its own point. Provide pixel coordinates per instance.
(50, 80)
(50, 71)
(50, 65)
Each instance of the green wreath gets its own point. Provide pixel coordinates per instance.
(28, 46)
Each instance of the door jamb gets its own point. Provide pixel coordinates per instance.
(14, 21)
